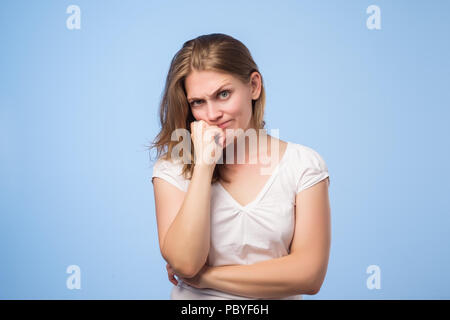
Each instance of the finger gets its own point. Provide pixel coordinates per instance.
(172, 278)
(194, 126)
(221, 138)
(171, 274)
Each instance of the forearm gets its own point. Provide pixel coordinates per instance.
(274, 278)
(186, 244)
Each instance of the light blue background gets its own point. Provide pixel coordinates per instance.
(79, 107)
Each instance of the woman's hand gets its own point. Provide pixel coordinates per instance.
(201, 280)
(208, 142)
(171, 274)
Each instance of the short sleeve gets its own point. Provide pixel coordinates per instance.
(171, 172)
(313, 168)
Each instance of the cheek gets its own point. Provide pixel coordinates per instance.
(236, 107)
(241, 110)
(234, 110)
(197, 115)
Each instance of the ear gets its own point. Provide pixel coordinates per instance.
(256, 82)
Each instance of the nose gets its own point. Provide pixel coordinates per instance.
(213, 112)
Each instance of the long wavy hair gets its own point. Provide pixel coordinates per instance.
(213, 52)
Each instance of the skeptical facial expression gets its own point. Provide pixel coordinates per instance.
(221, 99)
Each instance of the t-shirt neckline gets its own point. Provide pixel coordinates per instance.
(266, 186)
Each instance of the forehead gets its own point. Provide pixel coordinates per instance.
(204, 83)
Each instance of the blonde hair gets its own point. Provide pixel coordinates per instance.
(213, 52)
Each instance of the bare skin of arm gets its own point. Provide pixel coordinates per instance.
(184, 217)
(184, 242)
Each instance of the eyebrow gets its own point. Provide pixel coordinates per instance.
(215, 92)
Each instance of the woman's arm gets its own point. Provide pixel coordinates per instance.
(300, 272)
(192, 222)
(274, 278)
(184, 229)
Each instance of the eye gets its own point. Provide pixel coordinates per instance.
(227, 91)
(193, 102)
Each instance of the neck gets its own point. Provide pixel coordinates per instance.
(253, 150)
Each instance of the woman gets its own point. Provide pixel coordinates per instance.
(227, 230)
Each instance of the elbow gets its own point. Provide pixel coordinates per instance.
(317, 277)
(314, 290)
(316, 285)
(183, 265)
(306, 286)
(185, 272)
(184, 269)
(309, 285)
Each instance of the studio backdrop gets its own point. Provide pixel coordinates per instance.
(364, 83)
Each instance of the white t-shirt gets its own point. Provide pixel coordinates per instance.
(261, 230)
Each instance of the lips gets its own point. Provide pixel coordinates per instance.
(223, 125)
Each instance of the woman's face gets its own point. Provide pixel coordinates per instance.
(219, 97)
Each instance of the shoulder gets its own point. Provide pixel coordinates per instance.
(306, 155)
(168, 164)
(308, 165)
(171, 171)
